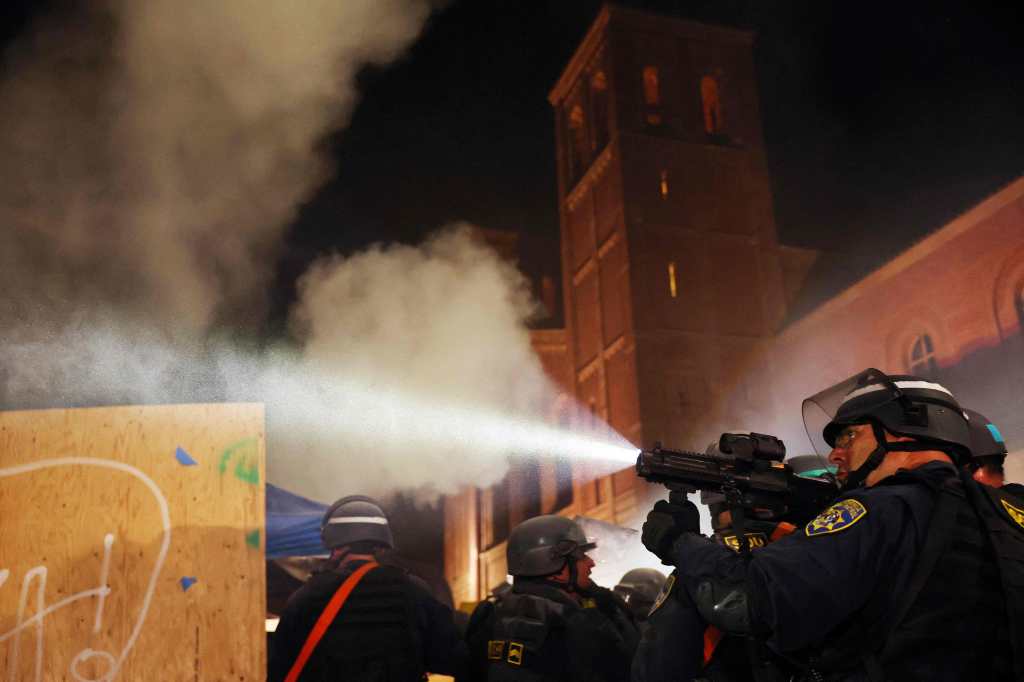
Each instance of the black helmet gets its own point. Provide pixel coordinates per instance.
(541, 545)
(355, 518)
(986, 440)
(903, 405)
(639, 588)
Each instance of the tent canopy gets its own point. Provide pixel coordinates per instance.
(293, 525)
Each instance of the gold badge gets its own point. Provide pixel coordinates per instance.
(515, 653)
(588, 603)
(839, 516)
(495, 648)
(663, 595)
(755, 540)
(1015, 513)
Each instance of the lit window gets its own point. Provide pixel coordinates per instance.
(673, 292)
(663, 185)
(599, 109)
(652, 95)
(711, 104)
(922, 356)
(577, 143)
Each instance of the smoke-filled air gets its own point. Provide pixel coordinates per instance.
(152, 155)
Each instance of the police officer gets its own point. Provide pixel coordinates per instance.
(554, 624)
(638, 588)
(388, 628)
(897, 579)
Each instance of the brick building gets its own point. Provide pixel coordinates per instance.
(676, 290)
(950, 308)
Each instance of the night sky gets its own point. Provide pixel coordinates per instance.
(882, 120)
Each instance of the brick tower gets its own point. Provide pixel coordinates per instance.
(672, 277)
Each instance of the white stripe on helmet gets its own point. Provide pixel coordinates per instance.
(929, 385)
(380, 520)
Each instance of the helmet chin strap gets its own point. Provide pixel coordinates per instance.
(858, 476)
(856, 479)
(573, 575)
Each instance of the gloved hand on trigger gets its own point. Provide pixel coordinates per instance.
(665, 523)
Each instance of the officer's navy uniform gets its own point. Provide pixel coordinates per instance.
(537, 632)
(833, 595)
(677, 644)
(390, 629)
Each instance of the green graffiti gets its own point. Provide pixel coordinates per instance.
(253, 538)
(246, 457)
(249, 474)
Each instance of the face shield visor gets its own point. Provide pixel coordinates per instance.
(851, 401)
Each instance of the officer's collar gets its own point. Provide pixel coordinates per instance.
(930, 473)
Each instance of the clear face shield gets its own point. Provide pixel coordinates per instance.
(866, 389)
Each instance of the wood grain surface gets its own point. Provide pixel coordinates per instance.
(131, 543)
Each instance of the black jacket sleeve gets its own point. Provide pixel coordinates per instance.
(804, 586)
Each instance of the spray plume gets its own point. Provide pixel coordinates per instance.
(152, 155)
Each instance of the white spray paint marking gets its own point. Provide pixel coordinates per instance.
(108, 543)
(42, 611)
(4, 574)
(26, 584)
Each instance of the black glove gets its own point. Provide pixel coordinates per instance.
(665, 523)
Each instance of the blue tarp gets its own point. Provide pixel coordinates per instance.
(293, 525)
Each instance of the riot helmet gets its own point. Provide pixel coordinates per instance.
(542, 545)
(988, 450)
(355, 519)
(903, 405)
(639, 588)
(986, 440)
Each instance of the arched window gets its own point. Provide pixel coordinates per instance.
(652, 95)
(711, 104)
(922, 356)
(599, 110)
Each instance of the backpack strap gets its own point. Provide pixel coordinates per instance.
(326, 618)
(937, 541)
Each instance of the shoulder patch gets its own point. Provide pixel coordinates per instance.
(1016, 513)
(839, 516)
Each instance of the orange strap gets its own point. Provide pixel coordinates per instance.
(326, 618)
(712, 636)
(782, 530)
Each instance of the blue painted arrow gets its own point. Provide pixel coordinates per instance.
(184, 458)
(187, 582)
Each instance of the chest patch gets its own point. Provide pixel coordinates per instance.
(755, 540)
(839, 516)
(1015, 513)
(666, 590)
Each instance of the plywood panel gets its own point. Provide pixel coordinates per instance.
(131, 543)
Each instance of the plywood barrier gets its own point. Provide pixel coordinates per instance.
(131, 544)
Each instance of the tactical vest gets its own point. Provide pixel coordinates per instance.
(374, 637)
(954, 606)
(527, 640)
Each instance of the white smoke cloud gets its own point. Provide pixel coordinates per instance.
(151, 155)
(407, 353)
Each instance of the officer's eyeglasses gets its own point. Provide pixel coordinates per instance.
(845, 438)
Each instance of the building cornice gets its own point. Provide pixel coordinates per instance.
(644, 21)
(916, 253)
